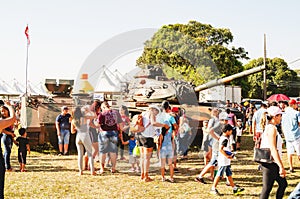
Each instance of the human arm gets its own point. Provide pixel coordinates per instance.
(272, 138)
(221, 149)
(8, 133)
(125, 143)
(57, 127)
(155, 123)
(6, 122)
(73, 127)
(28, 148)
(213, 135)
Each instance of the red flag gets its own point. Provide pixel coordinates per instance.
(27, 35)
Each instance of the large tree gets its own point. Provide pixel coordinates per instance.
(279, 79)
(196, 52)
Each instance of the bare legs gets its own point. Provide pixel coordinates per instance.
(145, 163)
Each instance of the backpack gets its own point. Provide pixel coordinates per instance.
(138, 125)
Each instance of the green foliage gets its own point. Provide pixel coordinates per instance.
(195, 52)
(279, 77)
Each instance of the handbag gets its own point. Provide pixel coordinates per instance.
(136, 151)
(262, 155)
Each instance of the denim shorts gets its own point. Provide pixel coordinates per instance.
(64, 137)
(108, 141)
(166, 152)
(225, 169)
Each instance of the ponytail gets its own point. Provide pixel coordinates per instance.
(263, 121)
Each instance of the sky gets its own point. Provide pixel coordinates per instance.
(65, 33)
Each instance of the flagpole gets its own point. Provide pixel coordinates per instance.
(26, 73)
(26, 94)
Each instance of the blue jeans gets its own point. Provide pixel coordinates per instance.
(108, 142)
(64, 137)
(7, 142)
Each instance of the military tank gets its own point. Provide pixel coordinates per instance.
(150, 85)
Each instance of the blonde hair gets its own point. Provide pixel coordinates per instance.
(263, 120)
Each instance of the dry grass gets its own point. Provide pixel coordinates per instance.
(51, 176)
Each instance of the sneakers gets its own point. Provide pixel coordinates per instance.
(131, 170)
(214, 192)
(238, 190)
(200, 180)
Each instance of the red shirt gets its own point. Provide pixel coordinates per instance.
(109, 120)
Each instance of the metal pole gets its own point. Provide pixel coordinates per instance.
(265, 71)
(26, 94)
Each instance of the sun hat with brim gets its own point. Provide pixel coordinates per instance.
(274, 110)
(155, 107)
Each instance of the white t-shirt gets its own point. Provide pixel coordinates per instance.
(150, 130)
(223, 160)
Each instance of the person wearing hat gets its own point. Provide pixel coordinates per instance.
(145, 139)
(215, 124)
(290, 126)
(62, 124)
(271, 139)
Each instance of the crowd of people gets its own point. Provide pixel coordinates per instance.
(167, 129)
(102, 134)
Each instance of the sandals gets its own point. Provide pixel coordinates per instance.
(148, 179)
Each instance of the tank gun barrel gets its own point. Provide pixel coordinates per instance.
(224, 80)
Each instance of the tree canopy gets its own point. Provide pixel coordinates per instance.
(195, 52)
(279, 78)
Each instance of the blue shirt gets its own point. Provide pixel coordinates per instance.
(256, 117)
(170, 120)
(131, 146)
(290, 124)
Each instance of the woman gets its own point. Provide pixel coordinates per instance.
(80, 124)
(111, 123)
(95, 110)
(145, 139)
(271, 139)
(5, 122)
(124, 134)
(7, 139)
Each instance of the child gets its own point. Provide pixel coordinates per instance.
(206, 143)
(224, 162)
(239, 130)
(132, 158)
(23, 144)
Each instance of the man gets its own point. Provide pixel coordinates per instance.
(290, 127)
(216, 123)
(63, 130)
(257, 131)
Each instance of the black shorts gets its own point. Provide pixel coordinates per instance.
(239, 139)
(147, 142)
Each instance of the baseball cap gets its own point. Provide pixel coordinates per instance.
(175, 109)
(274, 110)
(223, 116)
(293, 101)
(64, 108)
